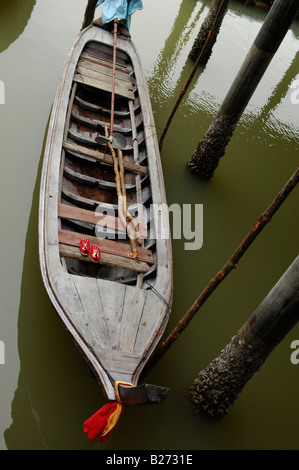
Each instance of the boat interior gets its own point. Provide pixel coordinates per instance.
(89, 194)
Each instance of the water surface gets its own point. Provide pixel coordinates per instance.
(46, 393)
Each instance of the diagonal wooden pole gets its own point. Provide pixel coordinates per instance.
(231, 263)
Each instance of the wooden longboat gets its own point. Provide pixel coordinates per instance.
(116, 310)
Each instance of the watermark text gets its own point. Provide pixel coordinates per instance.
(2, 353)
(295, 354)
(295, 93)
(2, 92)
(159, 222)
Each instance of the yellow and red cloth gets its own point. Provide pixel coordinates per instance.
(102, 423)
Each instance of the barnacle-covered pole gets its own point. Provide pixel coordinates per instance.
(211, 148)
(218, 386)
(208, 32)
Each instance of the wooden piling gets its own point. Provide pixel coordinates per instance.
(211, 148)
(218, 386)
(208, 33)
(89, 13)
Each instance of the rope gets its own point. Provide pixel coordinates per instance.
(157, 294)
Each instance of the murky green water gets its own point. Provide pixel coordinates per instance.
(45, 392)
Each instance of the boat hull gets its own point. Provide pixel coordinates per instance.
(116, 310)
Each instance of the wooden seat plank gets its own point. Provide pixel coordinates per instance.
(98, 75)
(106, 55)
(106, 259)
(105, 220)
(112, 247)
(102, 85)
(104, 62)
(105, 70)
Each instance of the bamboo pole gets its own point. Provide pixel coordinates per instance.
(122, 203)
(231, 264)
(190, 78)
(218, 386)
(89, 13)
(211, 148)
(129, 217)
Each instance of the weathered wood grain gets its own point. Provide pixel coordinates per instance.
(102, 84)
(104, 69)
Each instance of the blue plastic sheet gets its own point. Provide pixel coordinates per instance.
(121, 9)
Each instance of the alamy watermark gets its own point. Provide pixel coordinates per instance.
(187, 223)
(295, 354)
(2, 353)
(295, 93)
(2, 92)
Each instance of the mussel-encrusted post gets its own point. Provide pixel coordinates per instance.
(218, 386)
(208, 33)
(211, 148)
(89, 13)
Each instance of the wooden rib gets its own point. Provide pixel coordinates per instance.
(138, 180)
(84, 215)
(95, 124)
(91, 181)
(101, 157)
(66, 127)
(100, 109)
(112, 247)
(106, 259)
(84, 138)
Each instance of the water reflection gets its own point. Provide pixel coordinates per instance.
(51, 368)
(167, 68)
(14, 16)
(55, 395)
(209, 87)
